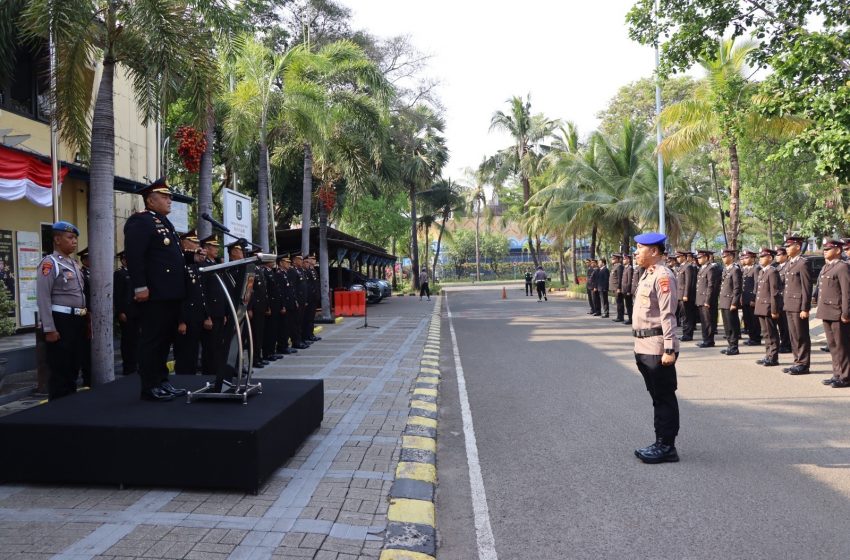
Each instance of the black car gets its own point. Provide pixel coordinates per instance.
(352, 280)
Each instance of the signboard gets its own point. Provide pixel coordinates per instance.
(29, 255)
(237, 213)
(7, 265)
(179, 216)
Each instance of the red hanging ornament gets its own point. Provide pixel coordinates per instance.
(192, 145)
(327, 196)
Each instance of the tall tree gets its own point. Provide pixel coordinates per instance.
(443, 198)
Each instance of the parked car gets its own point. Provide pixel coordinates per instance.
(354, 281)
(386, 287)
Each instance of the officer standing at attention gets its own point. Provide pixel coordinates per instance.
(305, 305)
(158, 277)
(296, 319)
(62, 310)
(615, 285)
(797, 301)
(528, 277)
(768, 306)
(748, 295)
(589, 281)
(258, 312)
(730, 301)
(834, 311)
(708, 290)
(272, 322)
(315, 295)
(287, 305)
(214, 345)
(686, 280)
(194, 319)
(782, 324)
(127, 315)
(656, 346)
(291, 304)
(626, 283)
(603, 279)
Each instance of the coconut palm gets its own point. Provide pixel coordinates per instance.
(163, 48)
(476, 201)
(443, 198)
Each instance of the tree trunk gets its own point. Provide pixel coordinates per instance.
(414, 242)
(734, 194)
(575, 260)
(561, 274)
(624, 246)
(593, 242)
(263, 196)
(395, 279)
(526, 189)
(439, 241)
(427, 246)
(205, 201)
(537, 249)
(101, 227)
(306, 199)
(323, 262)
(478, 247)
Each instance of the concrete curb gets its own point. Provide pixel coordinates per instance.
(412, 515)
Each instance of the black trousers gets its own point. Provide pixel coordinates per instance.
(801, 341)
(541, 289)
(731, 326)
(283, 332)
(751, 322)
(130, 345)
(425, 290)
(590, 300)
(838, 340)
(629, 302)
(65, 356)
(529, 291)
(271, 333)
(214, 348)
(661, 383)
(708, 321)
(768, 327)
(158, 327)
(784, 337)
(597, 302)
(258, 331)
(621, 306)
(186, 348)
(294, 325)
(307, 318)
(603, 296)
(688, 313)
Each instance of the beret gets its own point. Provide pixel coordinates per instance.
(651, 238)
(67, 227)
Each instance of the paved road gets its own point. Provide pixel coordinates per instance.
(558, 407)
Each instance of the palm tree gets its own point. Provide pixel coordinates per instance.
(444, 199)
(720, 113)
(476, 198)
(163, 48)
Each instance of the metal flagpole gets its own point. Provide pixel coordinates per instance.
(54, 128)
(661, 219)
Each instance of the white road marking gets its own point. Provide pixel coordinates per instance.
(483, 529)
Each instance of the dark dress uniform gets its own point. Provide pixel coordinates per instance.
(155, 262)
(615, 285)
(289, 310)
(313, 295)
(259, 307)
(797, 297)
(603, 278)
(626, 283)
(782, 324)
(768, 294)
(528, 289)
(748, 304)
(729, 301)
(215, 342)
(272, 322)
(193, 313)
(686, 280)
(707, 292)
(834, 310)
(124, 305)
(62, 308)
(591, 294)
(294, 322)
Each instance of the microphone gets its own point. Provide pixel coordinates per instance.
(218, 225)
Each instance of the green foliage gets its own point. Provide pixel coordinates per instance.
(378, 220)
(636, 102)
(7, 307)
(824, 222)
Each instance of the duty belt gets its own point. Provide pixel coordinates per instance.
(81, 312)
(646, 333)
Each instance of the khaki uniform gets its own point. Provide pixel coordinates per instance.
(768, 290)
(833, 304)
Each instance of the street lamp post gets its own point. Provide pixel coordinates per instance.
(661, 220)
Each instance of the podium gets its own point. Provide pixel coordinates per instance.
(233, 379)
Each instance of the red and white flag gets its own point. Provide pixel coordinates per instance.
(25, 176)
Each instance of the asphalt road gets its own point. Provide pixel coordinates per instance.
(558, 408)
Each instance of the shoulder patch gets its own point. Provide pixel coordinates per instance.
(664, 283)
(46, 266)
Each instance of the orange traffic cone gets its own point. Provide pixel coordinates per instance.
(504, 293)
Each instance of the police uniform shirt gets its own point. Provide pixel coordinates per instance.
(626, 280)
(768, 287)
(707, 285)
(616, 278)
(123, 292)
(193, 309)
(60, 282)
(655, 306)
(797, 292)
(154, 257)
(730, 287)
(834, 289)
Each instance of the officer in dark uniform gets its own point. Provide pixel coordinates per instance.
(784, 338)
(708, 290)
(603, 279)
(85, 367)
(686, 280)
(315, 294)
(62, 311)
(528, 276)
(275, 297)
(656, 346)
(158, 277)
(258, 312)
(768, 308)
(797, 302)
(834, 311)
(290, 307)
(750, 271)
(729, 301)
(626, 286)
(299, 282)
(309, 308)
(591, 272)
(194, 319)
(214, 342)
(615, 285)
(127, 315)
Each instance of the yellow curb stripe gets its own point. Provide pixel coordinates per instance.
(419, 442)
(430, 407)
(425, 472)
(422, 421)
(338, 320)
(430, 370)
(431, 350)
(428, 379)
(392, 554)
(425, 392)
(404, 510)
(434, 363)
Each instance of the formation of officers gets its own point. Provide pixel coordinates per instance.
(765, 297)
(163, 302)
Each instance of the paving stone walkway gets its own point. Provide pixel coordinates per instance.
(328, 502)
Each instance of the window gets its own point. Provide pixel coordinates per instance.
(25, 91)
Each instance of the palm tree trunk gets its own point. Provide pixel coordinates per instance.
(205, 203)
(263, 196)
(323, 262)
(439, 241)
(593, 242)
(395, 279)
(478, 247)
(306, 199)
(414, 242)
(101, 227)
(427, 246)
(575, 260)
(526, 189)
(561, 273)
(624, 246)
(734, 194)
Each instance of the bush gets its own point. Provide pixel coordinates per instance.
(7, 307)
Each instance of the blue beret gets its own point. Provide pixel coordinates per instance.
(66, 226)
(651, 238)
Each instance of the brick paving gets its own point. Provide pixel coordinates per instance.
(327, 502)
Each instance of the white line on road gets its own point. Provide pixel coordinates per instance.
(483, 530)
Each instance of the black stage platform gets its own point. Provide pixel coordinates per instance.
(109, 436)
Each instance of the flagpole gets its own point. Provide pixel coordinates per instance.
(661, 219)
(54, 128)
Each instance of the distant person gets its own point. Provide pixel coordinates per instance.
(540, 283)
(424, 289)
(528, 278)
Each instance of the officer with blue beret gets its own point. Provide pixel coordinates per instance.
(656, 345)
(62, 310)
(158, 278)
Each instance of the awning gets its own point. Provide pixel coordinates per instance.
(24, 175)
(340, 245)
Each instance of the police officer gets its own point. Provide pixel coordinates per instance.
(528, 277)
(315, 295)
(750, 270)
(708, 291)
(615, 285)
(194, 319)
(287, 305)
(797, 301)
(272, 320)
(626, 286)
(768, 306)
(215, 341)
(299, 281)
(834, 311)
(784, 338)
(729, 301)
(85, 366)
(292, 303)
(158, 278)
(603, 279)
(591, 280)
(656, 346)
(258, 313)
(638, 272)
(62, 310)
(686, 280)
(127, 315)
(540, 284)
